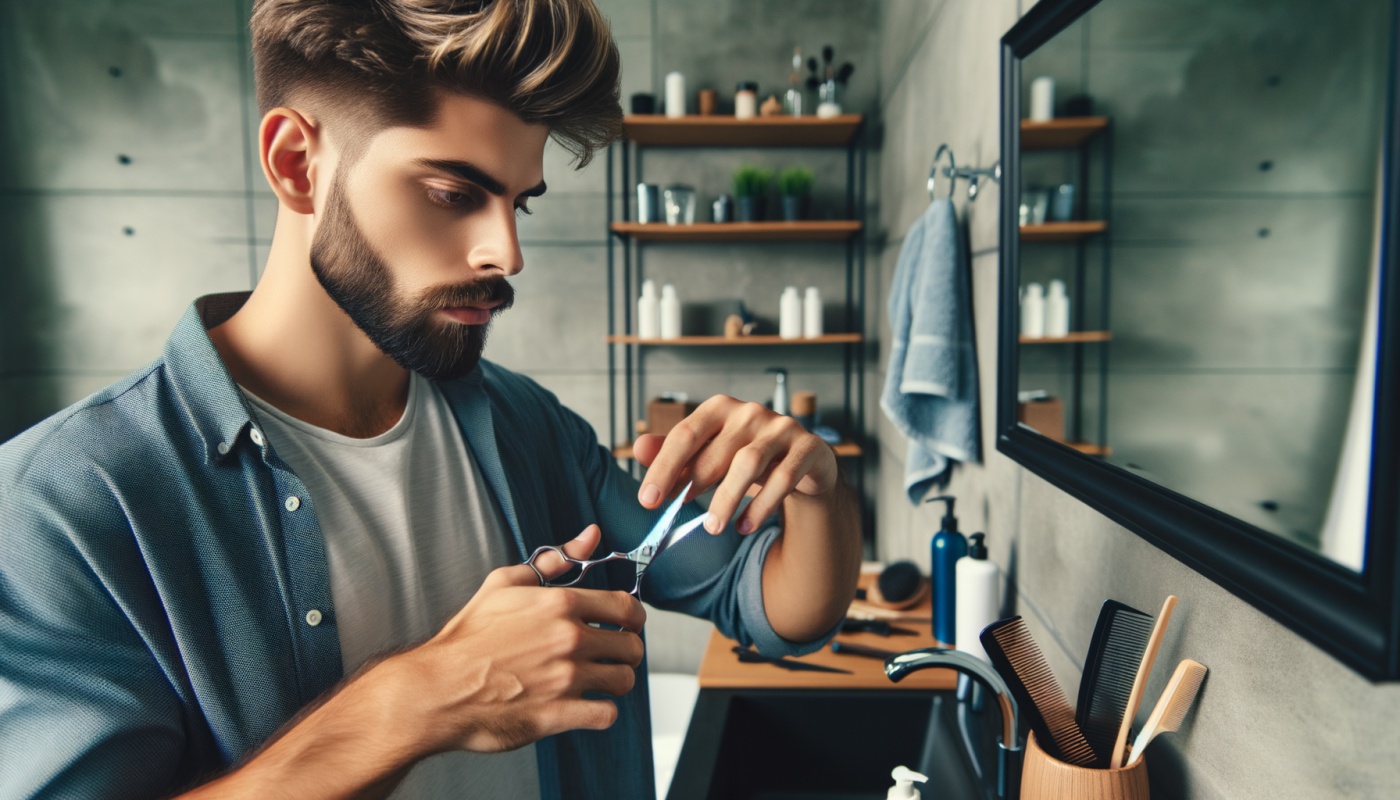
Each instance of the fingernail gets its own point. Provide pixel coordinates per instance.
(712, 523)
(650, 495)
(746, 527)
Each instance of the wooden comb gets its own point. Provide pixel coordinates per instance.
(1159, 628)
(1172, 706)
(1042, 703)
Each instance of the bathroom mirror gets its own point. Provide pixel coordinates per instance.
(1198, 296)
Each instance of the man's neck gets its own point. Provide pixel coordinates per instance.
(294, 348)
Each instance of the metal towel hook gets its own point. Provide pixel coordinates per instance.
(973, 175)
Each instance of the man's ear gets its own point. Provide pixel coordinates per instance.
(287, 141)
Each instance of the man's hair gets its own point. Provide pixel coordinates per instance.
(371, 64)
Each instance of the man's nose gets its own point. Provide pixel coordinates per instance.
(496, 244)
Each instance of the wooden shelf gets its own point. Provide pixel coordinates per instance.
(1062, 231)
(844, 450)
(1060, 133)
(1091, 449)
(721, 341)
(1076, 337)
(657, 130)
(806, 230)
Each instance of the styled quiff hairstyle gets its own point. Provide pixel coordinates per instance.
(372, 64)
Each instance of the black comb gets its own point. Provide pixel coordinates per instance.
(1014, 653)
(1120, 638)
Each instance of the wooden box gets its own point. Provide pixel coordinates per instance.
(1046, 417)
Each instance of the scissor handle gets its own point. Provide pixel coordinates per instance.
(583, 566)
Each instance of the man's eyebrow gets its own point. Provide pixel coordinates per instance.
(471, 172)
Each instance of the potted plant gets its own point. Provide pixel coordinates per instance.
(795, 186)
(750, 192)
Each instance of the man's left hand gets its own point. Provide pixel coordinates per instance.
(736, 445)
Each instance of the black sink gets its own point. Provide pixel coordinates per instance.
(827, 745)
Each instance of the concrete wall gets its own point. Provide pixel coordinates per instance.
(1277, 718)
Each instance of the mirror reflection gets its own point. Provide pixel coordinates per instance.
(1198, 252)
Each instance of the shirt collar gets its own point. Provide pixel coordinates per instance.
(208, 397)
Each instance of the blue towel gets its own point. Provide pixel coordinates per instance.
(931, 380)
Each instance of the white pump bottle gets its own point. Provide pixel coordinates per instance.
(903, 788)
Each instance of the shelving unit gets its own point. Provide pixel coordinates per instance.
(1079, 134)
(625, 349)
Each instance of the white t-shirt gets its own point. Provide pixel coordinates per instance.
(411, 532)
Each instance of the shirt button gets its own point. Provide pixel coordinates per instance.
(257, 437)
(313, 617)
(293, 503)
(223, 448)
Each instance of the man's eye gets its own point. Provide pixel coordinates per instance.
(449, 199)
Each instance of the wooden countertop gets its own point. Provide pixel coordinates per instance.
(721, 669)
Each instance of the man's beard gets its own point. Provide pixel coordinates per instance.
(410, 332)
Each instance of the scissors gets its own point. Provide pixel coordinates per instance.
(661, 537)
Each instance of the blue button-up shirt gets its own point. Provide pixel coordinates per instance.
(157, 589)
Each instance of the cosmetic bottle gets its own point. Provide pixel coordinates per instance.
(1033, 311)
(1057, 311)
(948, 546)
(670, 313)
(790, 314)
(904, 788)
(812, 314)
(746, 100)
(1043, 99)
(979, 603)
(780, 390)
(675, 94)
(649, 312)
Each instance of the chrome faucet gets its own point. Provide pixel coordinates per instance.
(1009, 750)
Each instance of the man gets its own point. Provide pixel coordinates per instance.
(284, 559)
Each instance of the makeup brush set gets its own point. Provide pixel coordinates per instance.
(1094, 733)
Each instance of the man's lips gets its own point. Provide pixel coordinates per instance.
(479, 314)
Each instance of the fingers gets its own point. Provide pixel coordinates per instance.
(614, 679)
(646, 447)
(782, 480)
(681, 445)
(621, 647)
(587, 714)
(607, 608)
(748, 467)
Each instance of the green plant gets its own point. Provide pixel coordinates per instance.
(752, 181)
(795, 182)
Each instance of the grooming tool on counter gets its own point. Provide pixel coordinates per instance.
(862, 610)
(1016, 656)
(878, 627)
(661, 537)
(1120, 747)
(899, 586)
(1115, 651)
(846, 648)
(1171, 707)
(748, 656)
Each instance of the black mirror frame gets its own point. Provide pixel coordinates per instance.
(1354, 617)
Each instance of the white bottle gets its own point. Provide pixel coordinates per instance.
(1033, 311)
(979, 597)
(670, 313)
(812, 314)
(1057, 311)
(790, 314)
(903, 788)
(1042, 99)
(675, 94)
(649, 312)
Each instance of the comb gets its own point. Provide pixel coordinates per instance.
(1172, 706)
(1014, 653)
(1149, 655)
(1115, 651)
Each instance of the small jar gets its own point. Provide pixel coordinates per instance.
(746, 100)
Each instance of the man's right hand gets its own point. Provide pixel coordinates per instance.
(512, 666)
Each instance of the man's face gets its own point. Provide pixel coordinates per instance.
(418, 237)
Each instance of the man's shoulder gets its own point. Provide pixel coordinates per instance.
(102, 431)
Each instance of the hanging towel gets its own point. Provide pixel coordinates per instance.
(931, 380)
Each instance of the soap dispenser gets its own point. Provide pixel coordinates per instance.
(979, 603)
(948, 546)
(903, 788)
(780, 391)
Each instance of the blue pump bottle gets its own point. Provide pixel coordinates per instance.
(948, 546)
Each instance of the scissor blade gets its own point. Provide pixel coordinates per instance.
(663, 526)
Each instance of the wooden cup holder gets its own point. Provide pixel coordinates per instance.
(1046, 778)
